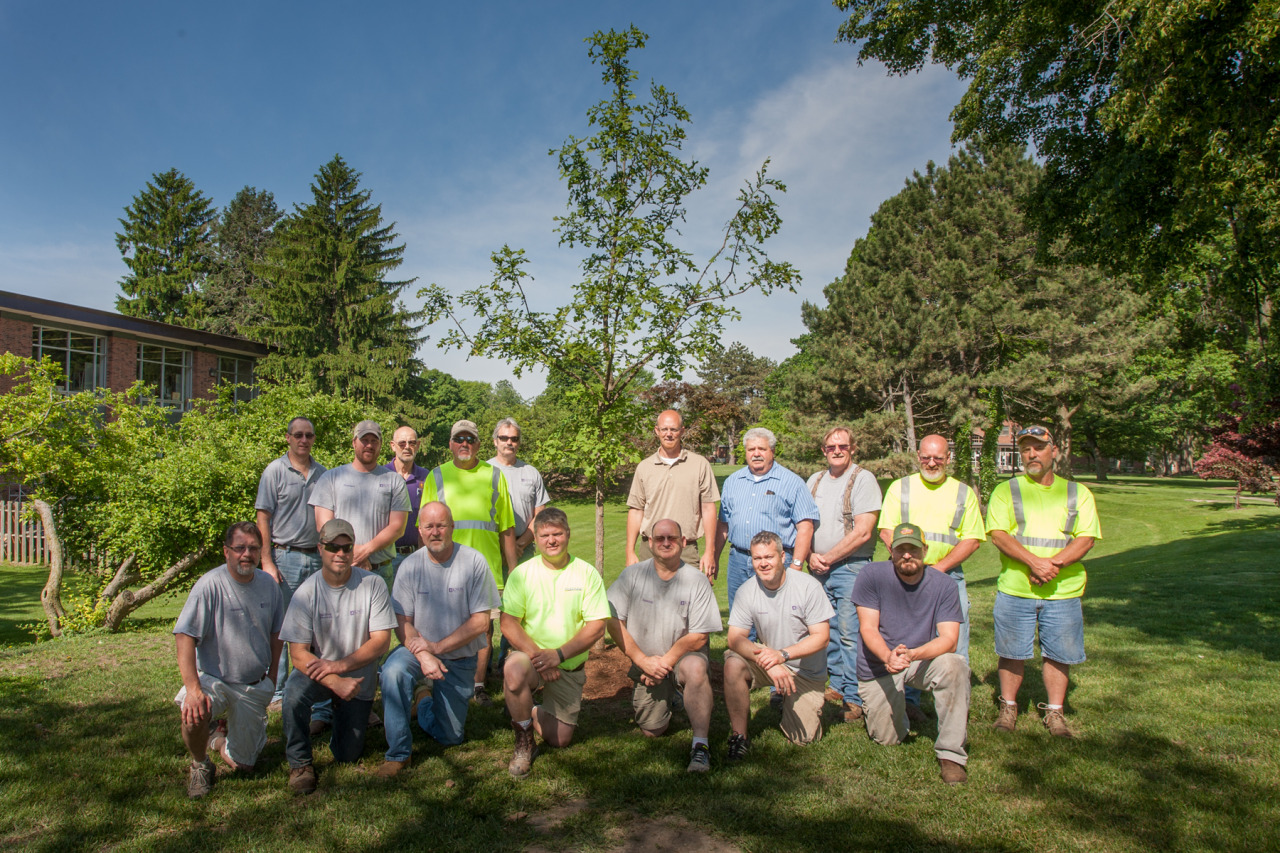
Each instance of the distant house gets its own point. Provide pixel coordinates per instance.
(102, 349)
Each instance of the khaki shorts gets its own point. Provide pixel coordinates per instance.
(801, 711)
(562, 698)
(245, 707)
(652, 705)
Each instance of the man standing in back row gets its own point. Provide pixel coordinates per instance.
(404, 449)
(678, 484)
(1043, 526)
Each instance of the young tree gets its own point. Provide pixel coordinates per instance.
(331, 309)
(231, 298)
(642, 302)
(168, 247)
(1224, 463)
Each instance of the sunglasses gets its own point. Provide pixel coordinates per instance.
(465, 439)
(663, 540)
(514, 439)
(241, 549)
(832, 448)
(301, 435)
(1035, 432)
(336, 548)
(405, 443)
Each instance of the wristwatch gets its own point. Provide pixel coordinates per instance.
(786, 655)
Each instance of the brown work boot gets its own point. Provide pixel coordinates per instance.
(833, 696)
(853, 713)
(302, 780)
(522, 758)
(952, 773)
(1008, 717)
(1054, 721)
(387, 769)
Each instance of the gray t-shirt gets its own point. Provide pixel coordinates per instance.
(335, 622)
(232, 624)
(659, 612)
(782, 617)
(439, 597)
(284, 492)
(909, 614)
(527, 491)
(865, 497)
(366, 499)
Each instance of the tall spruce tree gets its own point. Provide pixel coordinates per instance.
(231, 298)
(167, 245)
(331, 309)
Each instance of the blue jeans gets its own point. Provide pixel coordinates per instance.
(842, 649)
(442, 715)
(350, 720)
(962, 644)
(295, 567)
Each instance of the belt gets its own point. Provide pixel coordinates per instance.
(375, 566)
(311, 550)
(406, 549)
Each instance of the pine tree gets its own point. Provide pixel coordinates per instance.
(231, 301)
(331, 310)
(167, 245)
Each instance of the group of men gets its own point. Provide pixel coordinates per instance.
(353, 554)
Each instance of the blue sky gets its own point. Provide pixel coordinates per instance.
(448, 110)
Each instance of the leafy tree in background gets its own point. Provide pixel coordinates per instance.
(733, 377)
(1157, 123)
(167, 244)
(231, 298)
(642, 302)
(331, 309)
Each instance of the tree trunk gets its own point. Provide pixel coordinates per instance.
(128, 601)
(600, 520)
(1099, 463)
(51, 595)
(1064, 441)
(123, 577)
(909, 411)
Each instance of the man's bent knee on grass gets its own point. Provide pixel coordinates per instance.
(663, 610)
(228, 648)
(553, 610)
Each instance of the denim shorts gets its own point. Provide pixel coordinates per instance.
(1061, 623)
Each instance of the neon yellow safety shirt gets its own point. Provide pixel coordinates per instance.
(947, 512)
(481, 507)
(553, 604)
(1044, 519)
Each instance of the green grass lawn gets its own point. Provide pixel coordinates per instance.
(1177, 711)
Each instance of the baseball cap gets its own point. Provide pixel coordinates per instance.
(907, 533)
(335, 527)
(365, 427)
(1036, 432)
(461, 427)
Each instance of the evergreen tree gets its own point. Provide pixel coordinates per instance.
(167, 246)
(330, 308)
(232, 303)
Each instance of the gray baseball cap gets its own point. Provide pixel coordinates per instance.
(365, 427)
(335, 527)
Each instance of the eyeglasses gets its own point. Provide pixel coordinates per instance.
(937, 459)
(514, 439)
(663, 540)
(403, 444)
(336, 548)
(242, 549)
(465, 439)
(834, 448)
(301, 435)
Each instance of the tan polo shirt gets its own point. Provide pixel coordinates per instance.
(676, 491)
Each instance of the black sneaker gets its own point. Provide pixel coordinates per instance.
(738, 746)
(699, 759)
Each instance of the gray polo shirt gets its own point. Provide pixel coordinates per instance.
(782, 617)
(284, 492)
(438, 597)
(232, 624)
(364, 498)
(658, 612)
(336, 622)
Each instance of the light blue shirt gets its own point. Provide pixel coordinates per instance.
(777, 501)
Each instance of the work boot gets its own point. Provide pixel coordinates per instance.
(833, 696)
(387, 769)
(1008, 717)
(522, 758)
(952, 773)
(481, 696)
(853, 712)
(302, 780)
(1054, 721)
(200, 778)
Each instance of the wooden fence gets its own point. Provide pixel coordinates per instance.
(21, 541)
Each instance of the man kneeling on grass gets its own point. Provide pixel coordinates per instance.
(909, 621)
(228, 646)
(790, 612)
(442, 596)
(338, 627)
(664, 608)
(553, 610)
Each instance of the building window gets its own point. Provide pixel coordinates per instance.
(167, 372)
(81, 356)
(237, 372)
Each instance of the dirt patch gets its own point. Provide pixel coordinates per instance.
(607, 676)
(635, 834)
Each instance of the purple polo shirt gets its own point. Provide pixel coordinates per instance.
(414, 485)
